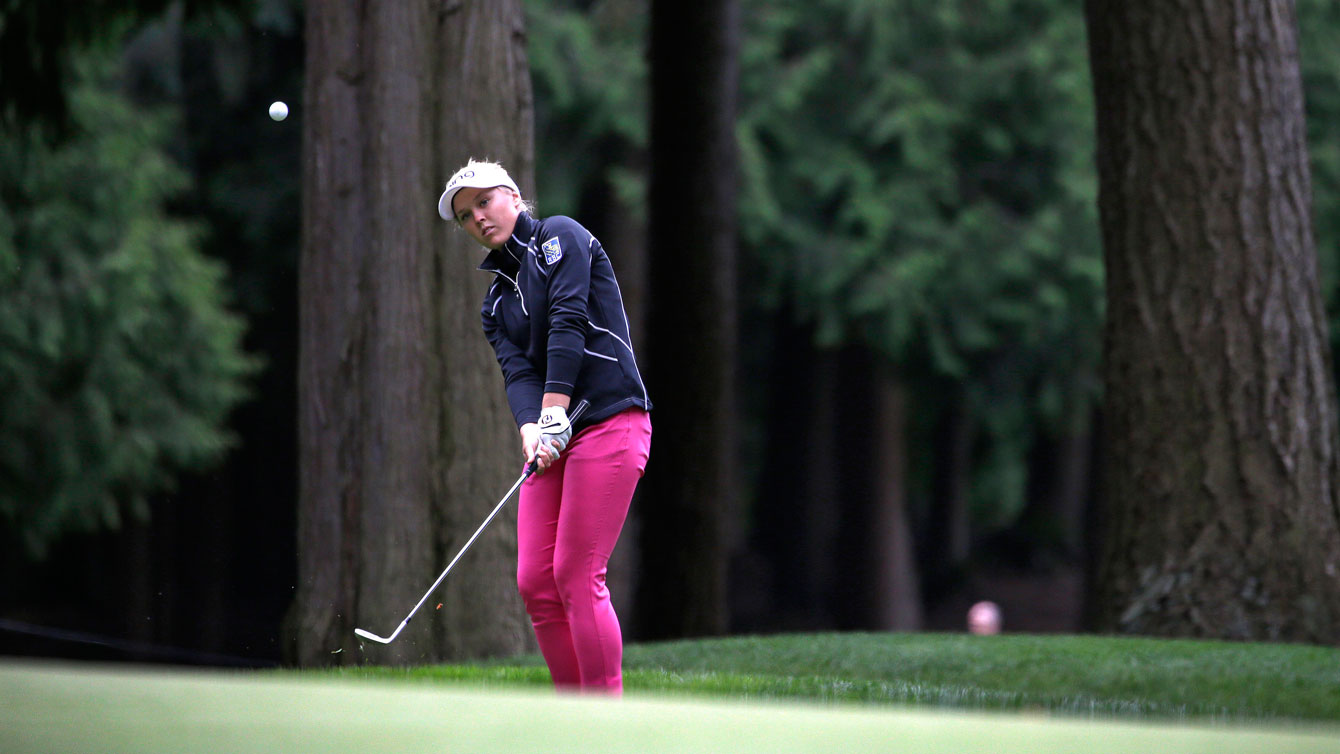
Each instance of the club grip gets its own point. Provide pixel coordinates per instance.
(576, 414)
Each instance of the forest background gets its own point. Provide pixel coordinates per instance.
(920, 289)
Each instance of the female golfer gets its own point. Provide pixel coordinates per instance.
(555, 318)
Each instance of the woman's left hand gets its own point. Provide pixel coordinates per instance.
(530, 443)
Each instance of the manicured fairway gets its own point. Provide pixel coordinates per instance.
(91, 709)
(1128, 678)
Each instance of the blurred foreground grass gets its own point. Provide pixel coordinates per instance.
(100, 709)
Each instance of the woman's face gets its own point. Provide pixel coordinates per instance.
(488, 215)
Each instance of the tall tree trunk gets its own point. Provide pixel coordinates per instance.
(797, 511)
(404, 439)
(1055, 515)
(1220, 432)
(820, 510)
(691, 318)
(1066, 502)
(881, 589)
(623, 233)
(953, 481)
(897, 591)
(487, 111)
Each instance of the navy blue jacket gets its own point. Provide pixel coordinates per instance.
(555, 318)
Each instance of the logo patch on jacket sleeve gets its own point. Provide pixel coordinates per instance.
(552, 251)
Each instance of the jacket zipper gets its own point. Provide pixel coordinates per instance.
(516, 287)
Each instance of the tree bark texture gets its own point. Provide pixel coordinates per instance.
(897, 587)
(1219, 500)
(688, 494)
(405, 441)
(486, 111)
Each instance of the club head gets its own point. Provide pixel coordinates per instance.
(374, 637)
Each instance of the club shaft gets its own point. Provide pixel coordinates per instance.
(492, 514)
(530, 469)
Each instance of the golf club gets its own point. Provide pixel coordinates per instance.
(530, 469)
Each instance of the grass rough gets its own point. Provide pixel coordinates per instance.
(1086, 676)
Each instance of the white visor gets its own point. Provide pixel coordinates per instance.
(479, 175)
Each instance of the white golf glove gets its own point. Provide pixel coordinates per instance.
(555, 429)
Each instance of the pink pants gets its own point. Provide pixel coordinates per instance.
(568, 522)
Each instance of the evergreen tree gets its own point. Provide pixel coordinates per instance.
(923, 192)
(119, 362)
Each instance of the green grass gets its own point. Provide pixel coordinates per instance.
(1063, 675)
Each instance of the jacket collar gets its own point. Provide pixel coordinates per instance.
(523, 233)
(507, 259)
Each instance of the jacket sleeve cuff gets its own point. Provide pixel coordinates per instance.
(524, 400)
(526, 416)
(561, 374)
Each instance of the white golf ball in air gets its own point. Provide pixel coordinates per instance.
(278, 110)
